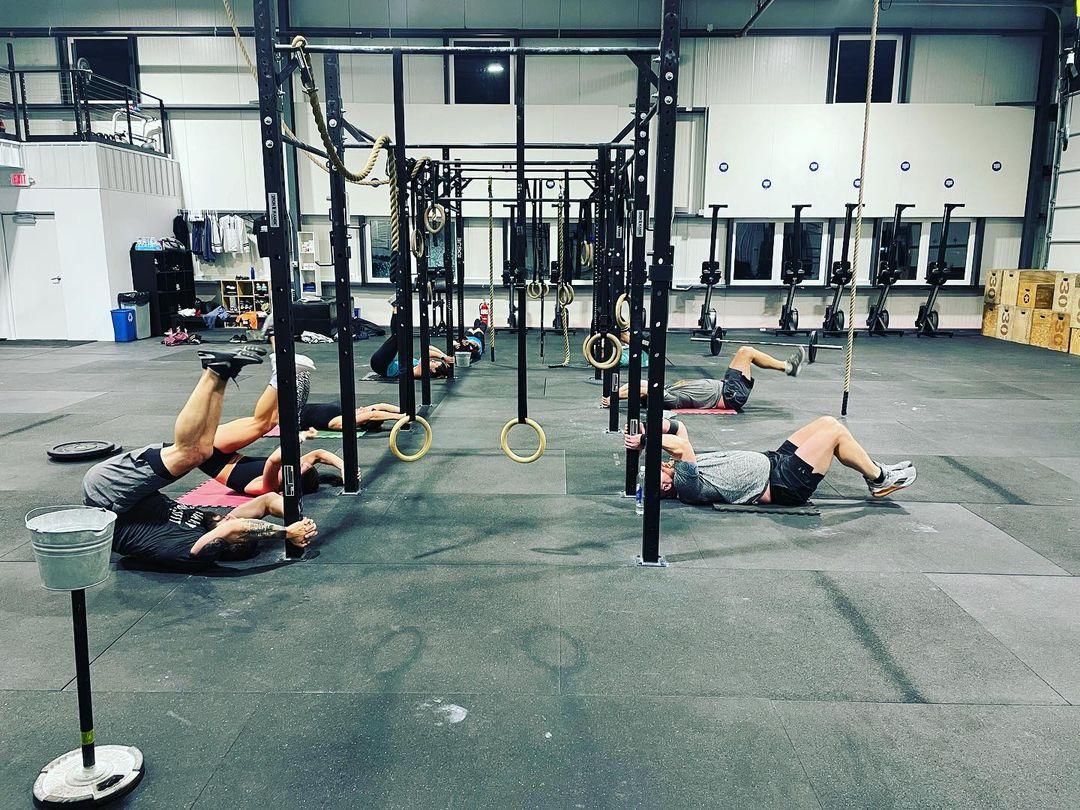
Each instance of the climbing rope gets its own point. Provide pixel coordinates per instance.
(563, 283)
(859, 211)
(491, 271)
(255, 75)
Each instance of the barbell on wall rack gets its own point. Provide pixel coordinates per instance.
(717, 340)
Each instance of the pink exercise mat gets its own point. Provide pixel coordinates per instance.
(213, 493)
(704, 410)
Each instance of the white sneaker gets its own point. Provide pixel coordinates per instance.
(897, 477)
(794, 363)
(304, 364)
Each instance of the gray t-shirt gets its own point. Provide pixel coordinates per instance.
(737, 476)
(702, 393)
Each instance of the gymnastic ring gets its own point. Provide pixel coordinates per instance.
(586, 254)
(611, 362)
(419, 454)
(434, 218)
(514, 456)
(566, 295)
(536, 289)
(418, 243)
(622, 300)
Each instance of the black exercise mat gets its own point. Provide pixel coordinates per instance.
(808, 508)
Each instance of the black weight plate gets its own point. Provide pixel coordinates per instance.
(840, 319)
(716, 342)
(811, 347)
(82, 450)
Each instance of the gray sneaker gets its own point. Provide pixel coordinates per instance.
(794, 363)
(897, 477)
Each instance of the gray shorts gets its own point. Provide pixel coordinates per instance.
(120, 482)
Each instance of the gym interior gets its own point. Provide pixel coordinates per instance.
(561, 404)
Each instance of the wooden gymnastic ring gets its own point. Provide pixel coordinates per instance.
(536, 289)
(566, 295)
(622, 300)
(434, 218)
(590, 342)
(419, 454)
(417, 243)
(586, 254)
(506, 446)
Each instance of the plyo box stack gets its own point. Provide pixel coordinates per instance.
(1039, 307)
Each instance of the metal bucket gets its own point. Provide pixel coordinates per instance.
(72, 545)
(462, 360)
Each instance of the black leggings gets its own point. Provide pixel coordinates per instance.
(385, 354)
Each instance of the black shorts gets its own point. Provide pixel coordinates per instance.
(792, 480)
(736, 390)
(319, 415)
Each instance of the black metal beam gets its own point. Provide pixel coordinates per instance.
(402, 260)
(496, 50)
(762, 6)
(508, 146)
(339, 244)
(661, 273)
(518, 243)
(1041, 145)
(278, 227)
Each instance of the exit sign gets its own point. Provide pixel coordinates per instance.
(20, 179)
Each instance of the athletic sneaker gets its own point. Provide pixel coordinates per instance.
(227, 364)
(794, 363)
(896, 477)
(304, 364)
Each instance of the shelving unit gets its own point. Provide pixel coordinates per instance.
(169, 277)
(240, 295)
(308, 260)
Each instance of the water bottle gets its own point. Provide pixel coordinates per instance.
(639, 497)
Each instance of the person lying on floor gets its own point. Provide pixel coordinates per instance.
(732, 392)
(256, 475)
(316, 416)
(384, 361)
(129, 484)
(786, 476)
(474, 342)
(162, 531)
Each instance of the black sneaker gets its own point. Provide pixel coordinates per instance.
(227, 364)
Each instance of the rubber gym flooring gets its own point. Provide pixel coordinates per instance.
(474, 633)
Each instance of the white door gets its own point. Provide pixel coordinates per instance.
(34, 283)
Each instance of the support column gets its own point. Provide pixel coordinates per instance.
(339, 245)
(281, 290)
(402, 260)
(637, 265)
(660, 273)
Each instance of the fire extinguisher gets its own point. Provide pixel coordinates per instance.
(484, 310)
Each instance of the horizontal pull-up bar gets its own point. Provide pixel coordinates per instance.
(504, 50)
(510, 164)
(510, 145)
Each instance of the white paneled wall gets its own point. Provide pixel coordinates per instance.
(974, 69)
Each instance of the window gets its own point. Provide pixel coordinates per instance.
(113, 63)
(810, 251)
(956, 251)
(379, 244)
(480, 79)
(852, 62)
(906, 251)
(752, 258)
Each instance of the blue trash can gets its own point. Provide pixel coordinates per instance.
(123, 324)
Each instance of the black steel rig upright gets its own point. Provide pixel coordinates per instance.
(278, 238)
(518, 238)
(441, 186)
(401, 260)
(423, 286)
(339, 243)
(640, 176)
(660, 272)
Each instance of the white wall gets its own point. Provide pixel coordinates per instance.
(103, 198)
(586, 98)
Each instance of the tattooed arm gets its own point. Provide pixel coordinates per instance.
(241, 530)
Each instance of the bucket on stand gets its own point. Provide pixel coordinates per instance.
(72, 545)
